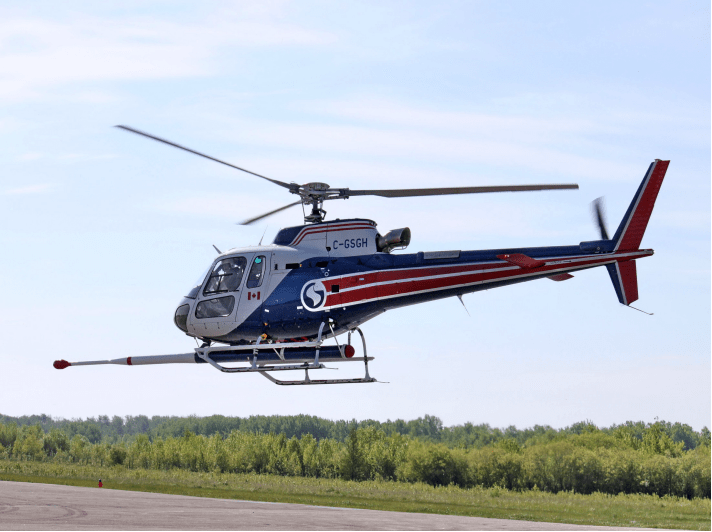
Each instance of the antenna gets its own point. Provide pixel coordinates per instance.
(459, 296)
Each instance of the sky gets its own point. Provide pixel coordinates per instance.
(103, 231)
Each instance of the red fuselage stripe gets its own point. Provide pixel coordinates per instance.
(414, 273)
(388, 284)
(330, 229)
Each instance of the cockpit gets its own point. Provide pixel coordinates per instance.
(226, 276)
(223, 277)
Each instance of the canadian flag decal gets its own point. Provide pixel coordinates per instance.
(253, 295)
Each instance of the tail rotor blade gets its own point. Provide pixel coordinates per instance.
(598, 212)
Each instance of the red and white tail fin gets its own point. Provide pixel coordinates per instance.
(630, 231)
(625, 280)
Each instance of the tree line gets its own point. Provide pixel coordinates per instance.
(428, 428)
(629, 458)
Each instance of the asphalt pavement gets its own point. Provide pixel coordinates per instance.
(27, 506)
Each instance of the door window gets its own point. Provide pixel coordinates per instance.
(254, 279)
(226, 276)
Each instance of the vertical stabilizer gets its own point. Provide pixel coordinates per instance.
(631, 230)
(625, 281)
(632, 227)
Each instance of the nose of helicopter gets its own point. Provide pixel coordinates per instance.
(181, 316)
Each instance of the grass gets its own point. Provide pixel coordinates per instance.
(596, 509)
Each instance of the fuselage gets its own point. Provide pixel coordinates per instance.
(332, 272)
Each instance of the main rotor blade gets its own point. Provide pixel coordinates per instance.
(597, 206)
(164, 141)
(412, 192)
(270, 213)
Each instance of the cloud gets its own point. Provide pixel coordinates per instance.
(30, 156)
(66, 157)
(228, 207)
(575, 142)
(82, 157)
(423, 144)
(688, 220)
(39, 53)
(30, 189)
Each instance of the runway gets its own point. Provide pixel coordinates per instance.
(25, 506)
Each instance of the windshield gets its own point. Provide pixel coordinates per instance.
(226, 276)
(196, 286)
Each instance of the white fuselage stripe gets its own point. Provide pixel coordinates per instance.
(603, 260)
(467, 272)
(325, 229)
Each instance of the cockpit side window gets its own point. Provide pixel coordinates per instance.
(254, 279)
(226, 276)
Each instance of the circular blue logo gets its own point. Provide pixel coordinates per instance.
(313, 295)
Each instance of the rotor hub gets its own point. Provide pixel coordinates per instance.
(314, 187)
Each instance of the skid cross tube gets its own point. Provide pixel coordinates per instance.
(308, 381)
(204, 354)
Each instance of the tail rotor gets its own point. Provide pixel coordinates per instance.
(598, 210)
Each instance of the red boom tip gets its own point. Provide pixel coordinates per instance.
(349, 351)
(61, 364)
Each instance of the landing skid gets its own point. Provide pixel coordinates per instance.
(309, 381)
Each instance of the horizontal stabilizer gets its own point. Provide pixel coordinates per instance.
(521, 260)
(561, 277)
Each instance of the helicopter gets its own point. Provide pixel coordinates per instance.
(272, 307)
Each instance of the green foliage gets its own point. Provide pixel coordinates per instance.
(54, 442)
(428, 428)
(117, 455)
(352, 466)
(509, 445)
(29, 444)
(656, 441)
(631, 458)
(432, 464)
(8, 434)
(79, 449)
(495, 467)
(382, 454)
